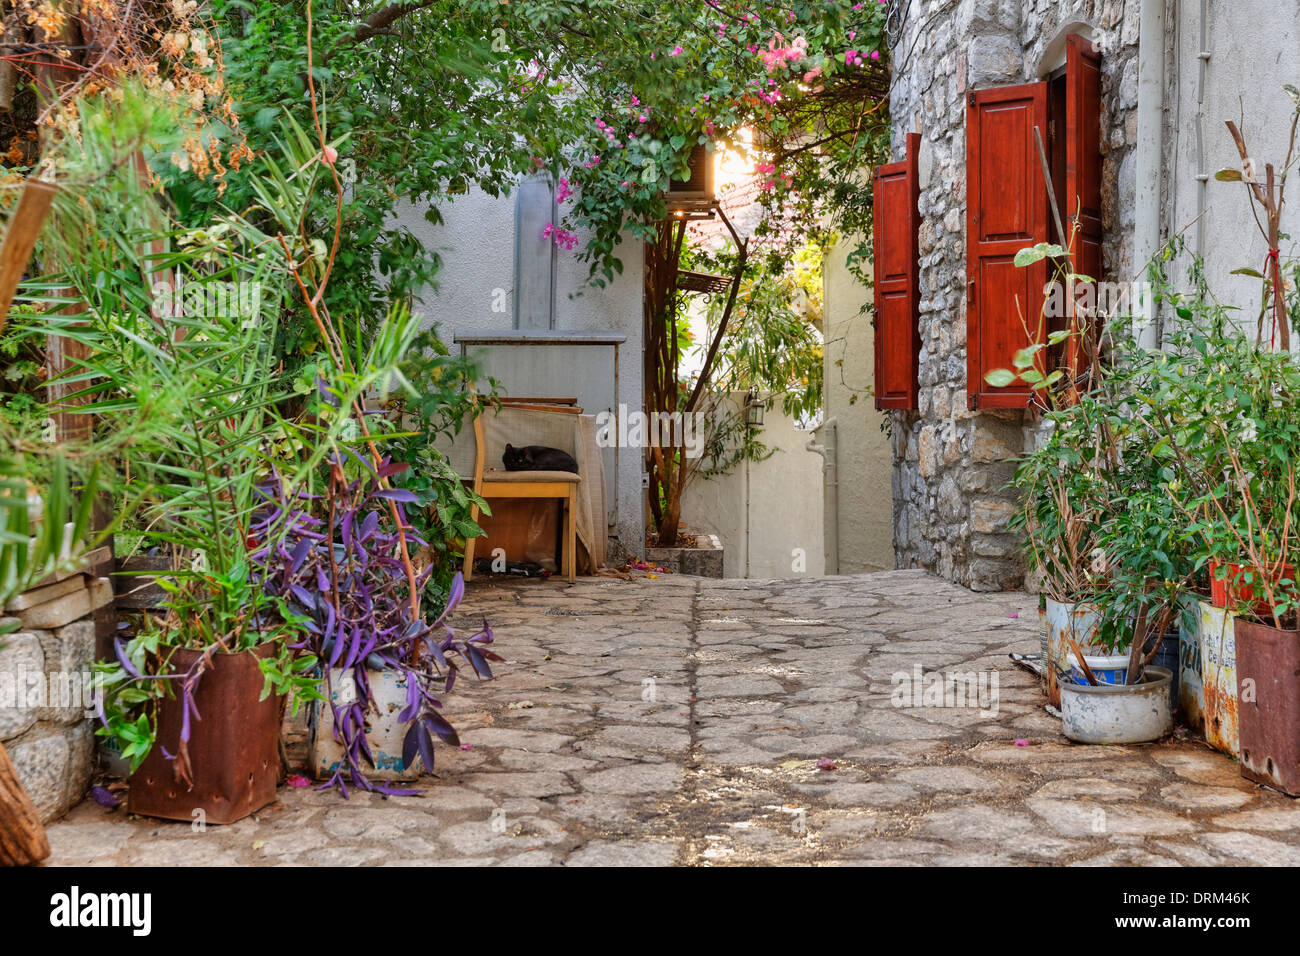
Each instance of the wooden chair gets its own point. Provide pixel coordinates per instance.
(495, 483)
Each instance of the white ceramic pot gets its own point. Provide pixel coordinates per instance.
(384, 732)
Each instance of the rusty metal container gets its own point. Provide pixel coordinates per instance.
(1080, 622)
(1191, 690)
(1268, 671)
(1219, 677)
(234, 746)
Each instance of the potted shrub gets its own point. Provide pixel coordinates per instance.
(1253, 513)
(195, 693)
(384, 665)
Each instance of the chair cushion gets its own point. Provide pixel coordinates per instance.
(498, 474)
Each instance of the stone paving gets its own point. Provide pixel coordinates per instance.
(679, 720)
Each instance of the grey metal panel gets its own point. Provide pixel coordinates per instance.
(534, 296)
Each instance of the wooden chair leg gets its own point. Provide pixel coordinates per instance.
(570, 538)
(468, 570)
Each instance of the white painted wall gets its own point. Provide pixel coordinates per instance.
(863, 458)
(476, 242)
(1254, 48)
(763, 511)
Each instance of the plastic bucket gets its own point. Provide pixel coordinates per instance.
(1107, 668)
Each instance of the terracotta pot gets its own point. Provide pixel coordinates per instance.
(1268, 704)
(233, 747)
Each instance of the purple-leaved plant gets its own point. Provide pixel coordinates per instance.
(335, 562)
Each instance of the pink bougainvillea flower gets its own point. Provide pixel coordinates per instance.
(676, 51)
(875, 54)
(297, 781)
(330, 155)
(1022, 742)
(564, 191)
(642, 118)
(825, 764)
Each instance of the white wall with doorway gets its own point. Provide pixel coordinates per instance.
(494, 256)
(767, 514)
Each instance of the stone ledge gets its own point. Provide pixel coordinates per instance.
(704, 562)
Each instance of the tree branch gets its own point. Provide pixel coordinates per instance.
(379, 22)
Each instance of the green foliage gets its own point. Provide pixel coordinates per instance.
(442, 400)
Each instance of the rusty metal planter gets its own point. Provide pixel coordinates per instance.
(1219, 677)
(1268, 671)
(233, 747)
(1191, 689)
(1079, 622)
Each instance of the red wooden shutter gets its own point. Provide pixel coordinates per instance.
(897, 283)
(1006, 211)
(1083, 166)
(1083, 151)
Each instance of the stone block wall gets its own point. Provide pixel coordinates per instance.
(45, 693)
(952, 465)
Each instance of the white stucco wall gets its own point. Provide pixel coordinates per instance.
(476, 241)
(863, 457)
(763, 511)
(1254, 48)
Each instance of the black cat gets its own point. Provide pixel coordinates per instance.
(538, 458)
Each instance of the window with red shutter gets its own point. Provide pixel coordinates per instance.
(897, 287)
(1008, 209)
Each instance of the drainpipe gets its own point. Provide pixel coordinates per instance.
(828, 449)
(1151, 104)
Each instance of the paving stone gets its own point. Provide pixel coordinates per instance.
(1276, 818)
(720, 768)
(1197, 796)
(637, 778)
(951, 779)
(1253, 849)
(624, 853)
(1086, 818)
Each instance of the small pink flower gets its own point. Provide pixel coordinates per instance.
(330, 155)
(676, 51)
(297, 781)
(875, 54)
(1022, 742)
